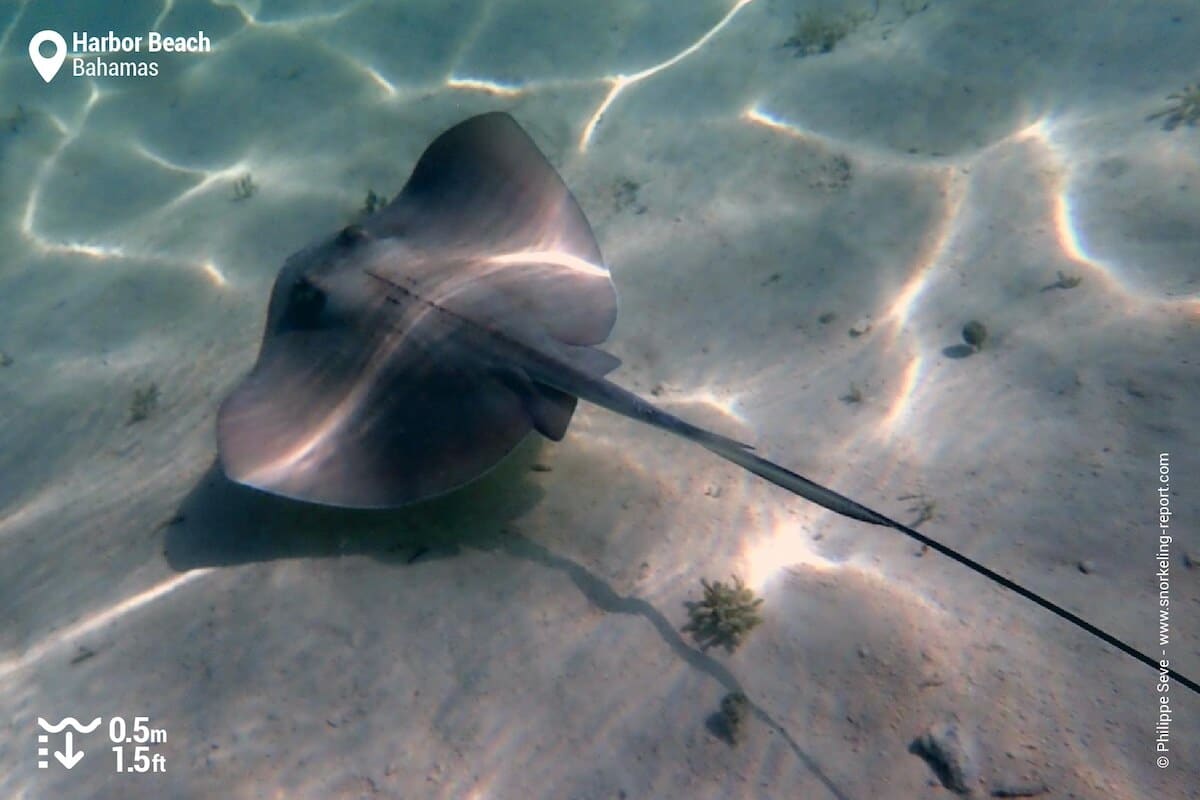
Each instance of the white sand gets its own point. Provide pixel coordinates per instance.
(533, 649)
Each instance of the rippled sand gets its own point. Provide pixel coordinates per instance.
(797, 241)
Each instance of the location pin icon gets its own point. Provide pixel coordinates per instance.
(47, 67)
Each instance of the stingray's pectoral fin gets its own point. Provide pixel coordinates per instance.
(548, 408)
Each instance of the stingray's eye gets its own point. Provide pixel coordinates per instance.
(351, 235)
(304, 306)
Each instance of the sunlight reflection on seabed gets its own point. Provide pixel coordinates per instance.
(618, 83)
(786, 546)
(207, 179)
(1040, 133)
(936, 242)
(102, 251)
(99, 619)
(953, 176)
(726, 407)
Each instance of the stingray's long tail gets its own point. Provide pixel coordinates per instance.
(609, 395)
(798, 484)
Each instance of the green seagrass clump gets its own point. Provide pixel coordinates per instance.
(726, 614)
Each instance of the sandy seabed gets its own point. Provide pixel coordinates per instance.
(798, 238)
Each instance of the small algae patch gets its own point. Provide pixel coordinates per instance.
(726, 614)
(244, 187)
(143, 403)
(1184, 111)
(1064, 282)
(373, 202)
(819, 32)
(729, 723)
(625, 196)
(923, 506)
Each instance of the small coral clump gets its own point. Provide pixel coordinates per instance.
(726, 614)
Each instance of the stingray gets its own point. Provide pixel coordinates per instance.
(406, 356)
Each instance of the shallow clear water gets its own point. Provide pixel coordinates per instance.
(802, 205)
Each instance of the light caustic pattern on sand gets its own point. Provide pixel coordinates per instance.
(208, 179)
(1039, 137)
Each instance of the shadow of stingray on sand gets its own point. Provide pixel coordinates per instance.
(223, 524)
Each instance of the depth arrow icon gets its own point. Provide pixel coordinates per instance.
(72, 756)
